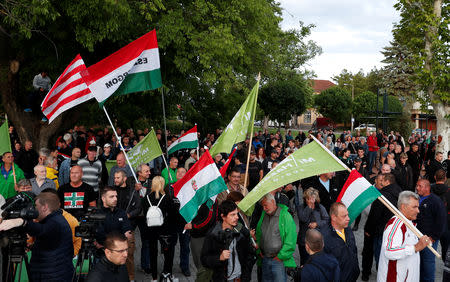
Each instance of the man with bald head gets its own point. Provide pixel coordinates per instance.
(41, 182)
(76, 196)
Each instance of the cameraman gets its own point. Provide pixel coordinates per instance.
(227, 250)
(52, 251)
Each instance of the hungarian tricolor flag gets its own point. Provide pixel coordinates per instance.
(188, 140)
(201, 183)
(133, 68)
(357, 194)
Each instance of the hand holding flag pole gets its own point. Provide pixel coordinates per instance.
(387, 203)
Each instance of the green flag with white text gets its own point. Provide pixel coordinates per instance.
(240, 125)
(146, 150)
(311, 159)
(5, 141)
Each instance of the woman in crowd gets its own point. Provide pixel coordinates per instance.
(157, 197)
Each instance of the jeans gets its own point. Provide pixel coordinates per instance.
(185, 250)
(427, 263)
(377, 241)
(273, 270)
(372, 159)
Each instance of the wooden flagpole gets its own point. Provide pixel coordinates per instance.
(250, 144)
(386, 202)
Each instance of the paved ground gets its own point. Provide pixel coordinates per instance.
(140, 276)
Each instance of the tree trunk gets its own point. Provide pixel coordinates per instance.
(440, 109)
(266, 123)
(28, 125)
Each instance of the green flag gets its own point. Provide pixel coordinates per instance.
(5, 141)
(311, 159)
(239, 126)
(146, 150)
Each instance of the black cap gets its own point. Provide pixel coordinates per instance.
(358, 160)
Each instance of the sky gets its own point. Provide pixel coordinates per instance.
(351, 32)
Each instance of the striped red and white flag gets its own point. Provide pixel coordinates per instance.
(68, 91)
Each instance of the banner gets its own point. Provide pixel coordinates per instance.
(145, 151)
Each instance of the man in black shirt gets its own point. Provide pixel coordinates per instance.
(267, 163)
(76, 196)
(255, 171)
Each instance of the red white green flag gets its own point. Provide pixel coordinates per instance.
(188, 140)
(133, 68)
(200, 184)
(357, 194)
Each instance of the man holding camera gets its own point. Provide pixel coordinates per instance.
(227, 249)
(52, 251)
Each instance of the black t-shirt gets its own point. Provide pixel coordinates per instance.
(253, 173)
(75, 200)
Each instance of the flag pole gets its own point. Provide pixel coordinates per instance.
(120, 144)
(13, 168)
(250, 143)
(198, 144)
(386, 202)
(165, 162)
(164, 119)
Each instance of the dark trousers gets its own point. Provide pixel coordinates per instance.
(367, 255)
(303, 254)
(185, 250)
(167, 250)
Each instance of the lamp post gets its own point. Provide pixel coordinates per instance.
(353, 97)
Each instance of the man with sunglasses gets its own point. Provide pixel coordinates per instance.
(112, 266)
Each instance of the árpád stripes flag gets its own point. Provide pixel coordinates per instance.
(188, 140)
(357, 194)
(133, 68)
(202, 182)
(68, 91)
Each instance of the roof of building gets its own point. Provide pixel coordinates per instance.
(320, 85)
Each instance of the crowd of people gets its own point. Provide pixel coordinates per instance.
(226, 244)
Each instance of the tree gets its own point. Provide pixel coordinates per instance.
(210, 50)
(423, 31)
(282, 99)
(334, 103)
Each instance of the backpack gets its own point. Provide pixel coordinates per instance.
(154, 215)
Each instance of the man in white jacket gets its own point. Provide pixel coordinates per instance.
(399, 256)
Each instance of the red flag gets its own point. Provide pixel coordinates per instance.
(223, 169)
(69, 91)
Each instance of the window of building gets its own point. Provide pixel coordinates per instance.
(307, 117)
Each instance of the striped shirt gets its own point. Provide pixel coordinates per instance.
(92, 172)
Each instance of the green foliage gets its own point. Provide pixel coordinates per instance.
(365, 104)
(282, 99)
(334, 103)
(423, 31)
(359, 81)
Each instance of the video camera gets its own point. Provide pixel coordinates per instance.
(20, 206)
(89, 223)
(226, 237)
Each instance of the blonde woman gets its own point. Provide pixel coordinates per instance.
(311, 215)
(158, 233)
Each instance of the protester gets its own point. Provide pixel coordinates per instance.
(327, 186)
(10, 175)
(121, 165)
(41, 182)
(435, 165)
(170, 174)
(157, 197)
(27, 159)
(51, 259)
(340, 242)
(92, 168)
(76, 196)
(311, 215)
(400, 259)
(227, 249)
(191, 160)
(275, 238)
(128, 200)
(320, 267)
(64, 169)
(233, 184)
(430, 221)
(111, 267)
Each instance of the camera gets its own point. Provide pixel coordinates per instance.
(227, 236)
(20, 206)
(89, 223)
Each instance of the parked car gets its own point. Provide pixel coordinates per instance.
(368, 127)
